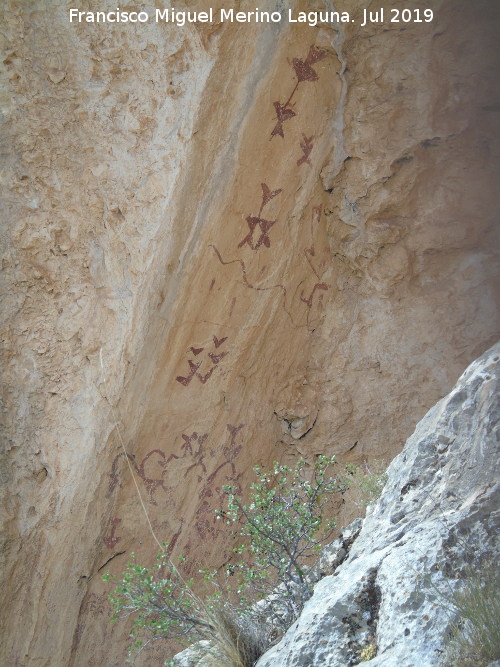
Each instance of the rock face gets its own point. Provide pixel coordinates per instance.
(437, 518)
(223, 244)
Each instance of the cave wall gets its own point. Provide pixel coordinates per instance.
(182, 281)
(426, 544)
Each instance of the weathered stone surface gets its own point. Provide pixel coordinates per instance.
(132, 177)
(437, 518)
(201, 654)
(95, 130)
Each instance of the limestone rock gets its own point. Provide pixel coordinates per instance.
(437, 519)
(188, 293)
(201, 654)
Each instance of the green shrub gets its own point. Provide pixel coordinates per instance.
(164, 606)
(160, 600)
(283, 525)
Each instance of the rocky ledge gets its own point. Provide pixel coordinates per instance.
(434, 523)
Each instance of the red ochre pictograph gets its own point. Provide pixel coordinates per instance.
(155, 462)
(214, 358)
(311, 298)
(247, 283)
(306, 145)
(194, 450)
(311, 251)
(112, 540)
(204, 517)
(304, 71)
(197, 454)
(153, 468)
(230, 452)
(257, 221)
(192, 447)
(309, 254)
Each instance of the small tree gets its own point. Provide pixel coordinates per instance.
(284, 524)
(164, 606)
(162, 602)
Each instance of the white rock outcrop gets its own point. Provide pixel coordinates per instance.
(434, 521)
